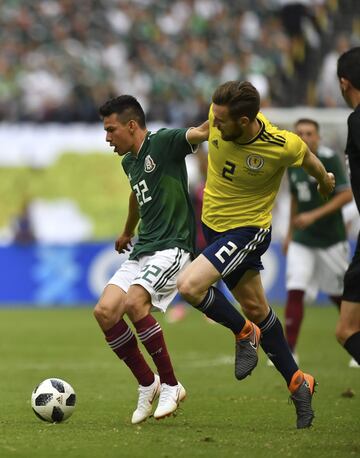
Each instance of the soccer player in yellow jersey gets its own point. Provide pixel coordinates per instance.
(247, 159)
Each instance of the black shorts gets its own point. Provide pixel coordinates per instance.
(352, 277)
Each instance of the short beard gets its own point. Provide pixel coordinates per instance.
(232, 137)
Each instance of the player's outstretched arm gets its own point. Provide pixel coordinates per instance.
(196, 135)
(123, 242)
(314, 167)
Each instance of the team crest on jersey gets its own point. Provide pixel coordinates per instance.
(254, 161)
(149, 164)
(215, 143)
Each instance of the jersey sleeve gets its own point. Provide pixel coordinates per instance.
(296, 149)
(174, 143)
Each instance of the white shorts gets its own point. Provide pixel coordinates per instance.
(317, 269)
(157, 273)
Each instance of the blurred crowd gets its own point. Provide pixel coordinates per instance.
(60, 59)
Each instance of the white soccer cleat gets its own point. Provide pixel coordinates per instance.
(353, 363)
(170, 397)
(147, 395)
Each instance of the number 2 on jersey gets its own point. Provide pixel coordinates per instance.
(141, 189)
(228, 170)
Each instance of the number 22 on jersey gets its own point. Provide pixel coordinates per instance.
(141, 190)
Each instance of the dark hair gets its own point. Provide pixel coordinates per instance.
(308, 121)
(126, 107)
(348, 66)
(242, 99)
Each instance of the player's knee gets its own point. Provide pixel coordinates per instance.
(254, 311)
(136, 309)
(341, 333)
(103, 313)
(186, 289)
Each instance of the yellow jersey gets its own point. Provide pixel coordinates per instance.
(244, 178)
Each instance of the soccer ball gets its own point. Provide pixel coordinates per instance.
(53, 400)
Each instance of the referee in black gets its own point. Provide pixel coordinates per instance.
(348, 326)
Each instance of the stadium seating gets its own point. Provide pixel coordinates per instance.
(61, 59)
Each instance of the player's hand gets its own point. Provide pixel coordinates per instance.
(123, 243)
(327, 186)
(304, 220)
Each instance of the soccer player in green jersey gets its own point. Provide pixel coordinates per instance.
(247, 159)
(348, 326)
(316, 246)
(154, 163)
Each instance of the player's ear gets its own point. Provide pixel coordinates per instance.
(344, 84)
(132, 126)
(244, 121)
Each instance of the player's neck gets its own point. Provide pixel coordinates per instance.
(139, 138)
(251, 132)
(355, 99)
(255, 128)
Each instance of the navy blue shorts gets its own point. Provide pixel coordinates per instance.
(234, 252)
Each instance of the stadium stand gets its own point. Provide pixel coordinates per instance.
(61, 59)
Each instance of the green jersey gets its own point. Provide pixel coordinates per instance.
(327, 230)
(158, 177)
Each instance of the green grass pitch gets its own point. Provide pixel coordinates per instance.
(221, 416)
